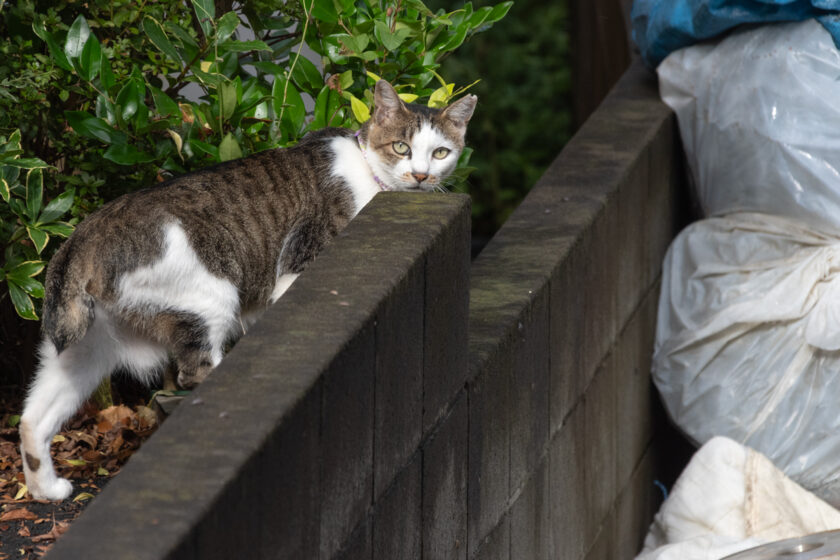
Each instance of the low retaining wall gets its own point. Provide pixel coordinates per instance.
(562, 315)
(398, 403)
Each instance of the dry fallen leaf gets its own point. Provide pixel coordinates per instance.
(83, 496)
(57, 529)
(15, 514)
(94, 444)
(116, 415)
(103, 427)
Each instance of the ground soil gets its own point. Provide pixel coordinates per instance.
(89, 451)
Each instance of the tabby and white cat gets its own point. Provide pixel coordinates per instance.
(175, 270)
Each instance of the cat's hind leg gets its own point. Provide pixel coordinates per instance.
(63, 381)
(195, 343)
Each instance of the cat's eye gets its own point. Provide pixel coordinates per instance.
(441, 153)
(401, 148)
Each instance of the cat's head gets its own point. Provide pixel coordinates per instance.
(413, 147)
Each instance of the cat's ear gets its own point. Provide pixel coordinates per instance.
(387, 104)
(461, 111)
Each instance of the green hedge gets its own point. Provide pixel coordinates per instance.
(92, 103)
(524, 114)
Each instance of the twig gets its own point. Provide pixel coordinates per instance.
(177, 84)
(297, 56)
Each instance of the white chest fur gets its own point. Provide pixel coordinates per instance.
(350, 165)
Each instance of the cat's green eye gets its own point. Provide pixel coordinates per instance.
(401, 148)
(441, 153)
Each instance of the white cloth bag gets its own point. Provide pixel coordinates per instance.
(728, 499)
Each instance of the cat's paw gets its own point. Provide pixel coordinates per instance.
(56, 490)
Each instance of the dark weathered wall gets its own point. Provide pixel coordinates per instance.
(306, 441)
(562, 315)
(398, 403)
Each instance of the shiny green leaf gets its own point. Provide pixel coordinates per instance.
(360, 110)
(26, 269)
(34, 193)
(288, 103)
(94, 127)
(22, 302)
(184, 39)
(39, 238)
(77, 36)
(31, 286)
(390, 41)
(4, 189)
(229, 148)
(26, 163)
(226, 25)
(440, 97)
(56, 52)
(105, 109)
(205, 148)
(345, 80)
(164, 105)
(106, 74)
(420, 7)
(326, 107)
(244, 46)
(499, 11)
(61, 229)
(57, 207)
(156, 34)
(125, 154)
(90, 59)
(356, 43)
(227, 99)
(205, 11)
(324, 10)
(130, 98)
(306, 75)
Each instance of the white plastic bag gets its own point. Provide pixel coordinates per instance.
(759, 116)
(730, 498)
(747, 341)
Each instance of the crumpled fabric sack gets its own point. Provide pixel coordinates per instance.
(759, 117)
(748, 341)
(730, 498)
(663, 26)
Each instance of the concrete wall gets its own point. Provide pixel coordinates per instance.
(398, 403)
(562, 313)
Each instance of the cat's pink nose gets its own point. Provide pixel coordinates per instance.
(419, 176)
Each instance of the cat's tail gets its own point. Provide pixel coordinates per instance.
(68, 309)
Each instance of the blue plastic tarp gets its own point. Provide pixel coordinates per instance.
(663, 26)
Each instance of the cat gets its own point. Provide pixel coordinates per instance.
(176, 271)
